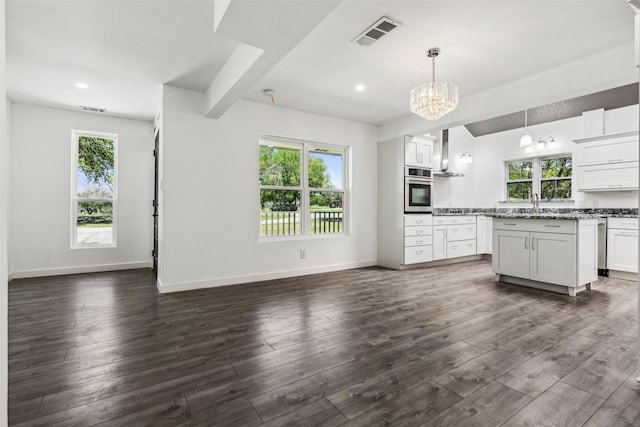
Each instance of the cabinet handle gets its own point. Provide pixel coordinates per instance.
(508, 223)
(525, 242)
(615, 185)
(533, 243)
(551, 226)
(454, 246)
(469, 244)
(419, 231)
(470, 229)
(615, 161)
(630, 223)
(418, 252)
(454, 230)
(418, 242)
(418, 221)
(453, 221)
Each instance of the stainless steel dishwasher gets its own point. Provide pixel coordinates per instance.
(602, 248)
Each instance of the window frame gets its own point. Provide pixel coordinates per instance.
(536, 177)
(305, 189)
(75, 138)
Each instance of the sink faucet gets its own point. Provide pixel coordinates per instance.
(536, 203)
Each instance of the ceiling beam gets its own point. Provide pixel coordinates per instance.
(266, 32)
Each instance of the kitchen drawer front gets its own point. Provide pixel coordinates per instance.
(417, 220)
(418, 231)
(454, 220)
(461, 232)
(565, 226)
(461, 248)
(416, 254)
(623, 223)
(611, 151)
(418, 240)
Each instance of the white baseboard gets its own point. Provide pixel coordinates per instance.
(59, 271)
(237, 280)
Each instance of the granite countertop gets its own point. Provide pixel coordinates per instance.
(546, 213)
(558, 215)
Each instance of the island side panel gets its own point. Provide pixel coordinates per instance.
(587, 251)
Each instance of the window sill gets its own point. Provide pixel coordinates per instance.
(93, 247)
(274, 239)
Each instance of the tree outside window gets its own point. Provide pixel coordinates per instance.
(94, 196)
(301, 188)
(549, 177)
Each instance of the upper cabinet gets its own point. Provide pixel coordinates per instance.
(608, 162)
(418, 151)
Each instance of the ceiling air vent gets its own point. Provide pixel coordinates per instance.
(95, 109)
(382, 26)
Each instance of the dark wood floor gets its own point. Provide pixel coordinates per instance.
(445, 346)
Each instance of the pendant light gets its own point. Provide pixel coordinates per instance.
(526, 139)
(435, 99)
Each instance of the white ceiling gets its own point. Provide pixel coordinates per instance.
(125, 50)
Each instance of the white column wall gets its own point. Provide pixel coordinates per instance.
(210, 197)
(40, 193)
(5, 106)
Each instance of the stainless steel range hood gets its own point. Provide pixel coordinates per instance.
(444, 157)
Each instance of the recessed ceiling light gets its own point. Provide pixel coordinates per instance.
(360, 88)
(82, 85)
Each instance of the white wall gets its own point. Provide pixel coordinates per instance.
(5, 107)
(40, 192)
(483, 184)
(210, 200)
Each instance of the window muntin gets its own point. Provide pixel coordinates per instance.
(94, 189)
(302, 188)
(549, 177)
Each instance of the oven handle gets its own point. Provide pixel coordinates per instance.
(413, 180)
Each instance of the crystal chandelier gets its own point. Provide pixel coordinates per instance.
(433, 100)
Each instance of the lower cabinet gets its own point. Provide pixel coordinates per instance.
(418, 239)
(455, 238)
(622, 244)
(484, 235)
(523, 249)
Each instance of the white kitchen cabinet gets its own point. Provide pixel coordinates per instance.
(555, 255)
(454, 236)
(622, 244)
(484, 234)
(418, 151)
(418, 239)
(607, 162)
(439, 242)
(610, 177)
(553, 258)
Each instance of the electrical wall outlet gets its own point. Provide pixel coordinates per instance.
(303, 254)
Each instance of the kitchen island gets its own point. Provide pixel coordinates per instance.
(550, 251)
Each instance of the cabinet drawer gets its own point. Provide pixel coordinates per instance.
(417, 220)
(461, 232)
(623, 223)
(418, 231)
(565, 226)
(454, 220)
(416, 254)
(418, 240)
(461, 248)
(611, 151)
(614, 177)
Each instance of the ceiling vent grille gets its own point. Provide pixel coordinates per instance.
(372, 34)
(95, 109)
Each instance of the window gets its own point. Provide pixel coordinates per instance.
(94, 189)
(302, 188)
(549, 177)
